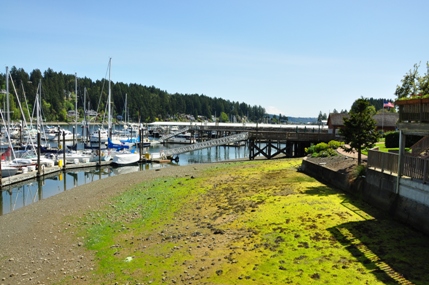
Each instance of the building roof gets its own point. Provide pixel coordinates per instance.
(336, 119)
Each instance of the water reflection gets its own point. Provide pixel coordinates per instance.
(20, 195)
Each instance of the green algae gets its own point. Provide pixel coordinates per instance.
(259, 222)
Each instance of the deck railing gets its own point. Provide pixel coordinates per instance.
(383, 161)
(413, 167)
(413, 110)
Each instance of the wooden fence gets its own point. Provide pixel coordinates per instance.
(414, 167)
(383, 161)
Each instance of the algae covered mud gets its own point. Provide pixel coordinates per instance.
(248, 223)
(253, 222)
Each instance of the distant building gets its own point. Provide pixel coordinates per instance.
(91, 113)
(72, 113)
(385, 122)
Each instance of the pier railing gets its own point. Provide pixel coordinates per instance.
(206, 144)
(292, 136)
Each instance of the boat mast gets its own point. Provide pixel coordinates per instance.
(109, 119)
(85, 123)
(126, 113)
(75, 103)
(7, 101)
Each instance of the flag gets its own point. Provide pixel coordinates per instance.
(388, 105)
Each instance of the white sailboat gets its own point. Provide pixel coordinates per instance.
(124, 156)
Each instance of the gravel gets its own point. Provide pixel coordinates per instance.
(38, 244)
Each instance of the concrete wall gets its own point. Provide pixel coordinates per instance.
(411, 206)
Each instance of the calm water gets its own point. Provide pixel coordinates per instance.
(17, 196)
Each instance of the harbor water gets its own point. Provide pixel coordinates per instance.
(16, 196)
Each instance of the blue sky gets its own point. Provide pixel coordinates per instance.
(296, 58)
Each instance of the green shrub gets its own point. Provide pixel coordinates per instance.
(309, 149)
(392, 140)
(334, 144)
(360, 170)
(323, 149)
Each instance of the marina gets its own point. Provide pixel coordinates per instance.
(55, 181)
(211, 143)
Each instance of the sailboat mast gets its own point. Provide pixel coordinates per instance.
(39, 106)
(7, 101)
(109, 118)
(85, 123)
(75, 103)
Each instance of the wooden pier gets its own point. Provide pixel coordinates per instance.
(286, 144)
(267, 142)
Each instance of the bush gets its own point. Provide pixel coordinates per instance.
(334, 144)
(323, 149)
(392, 140)
(360, 170)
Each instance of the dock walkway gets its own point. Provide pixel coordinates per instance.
(207, 144)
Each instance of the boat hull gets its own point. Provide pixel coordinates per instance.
(125, 158)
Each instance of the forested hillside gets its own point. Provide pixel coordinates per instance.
(144, 103)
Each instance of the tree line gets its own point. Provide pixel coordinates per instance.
(144, 103)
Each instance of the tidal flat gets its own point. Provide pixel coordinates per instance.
(258, 222)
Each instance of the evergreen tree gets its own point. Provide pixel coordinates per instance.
(359, 130)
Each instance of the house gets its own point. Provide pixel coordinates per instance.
(398, 181)
(384, 122)
(335, 122)
(72, 113)
(91, 113)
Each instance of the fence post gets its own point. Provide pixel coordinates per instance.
(401, 153)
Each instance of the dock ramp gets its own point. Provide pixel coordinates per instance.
(170, 135)
(215, 142)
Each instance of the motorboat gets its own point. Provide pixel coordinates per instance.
(76, 156)
(62, 133)
(101, 135)
(185, 138)
(7, 170)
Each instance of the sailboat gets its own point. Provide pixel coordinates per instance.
(122, 157)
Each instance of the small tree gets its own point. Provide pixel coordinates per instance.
(223, 117)
(360, 129)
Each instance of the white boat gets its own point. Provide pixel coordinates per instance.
(30, 157)
(185, 138)
(76, 157)
(103, 156)
(14, 132)
(94, 137)
(63, 133)
(29, 133)
(7, 170)
(125, 157)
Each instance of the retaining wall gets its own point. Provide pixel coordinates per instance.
(410, 206)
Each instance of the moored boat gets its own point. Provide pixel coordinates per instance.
(185, 138)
